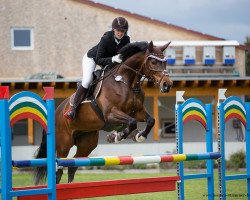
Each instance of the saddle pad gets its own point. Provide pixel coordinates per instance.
(72, 97)
(96, 92)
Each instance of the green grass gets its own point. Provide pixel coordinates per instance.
(194, 189)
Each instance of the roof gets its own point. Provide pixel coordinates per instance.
(149, 20)
(213, 43)
(179, 83)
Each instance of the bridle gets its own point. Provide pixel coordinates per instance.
(144, 65)
(164, 72)
(155, 56)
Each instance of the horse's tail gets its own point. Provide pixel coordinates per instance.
(40, 173)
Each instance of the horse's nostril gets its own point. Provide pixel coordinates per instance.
(165, 87)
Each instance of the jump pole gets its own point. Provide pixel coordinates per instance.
(108, 188)
(118, 160)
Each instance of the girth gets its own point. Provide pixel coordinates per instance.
(97, 109)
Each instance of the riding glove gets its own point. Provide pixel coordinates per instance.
(116, 59)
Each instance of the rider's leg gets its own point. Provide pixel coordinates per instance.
(79, 96)
(88, 66)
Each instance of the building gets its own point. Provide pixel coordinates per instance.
(51, 36)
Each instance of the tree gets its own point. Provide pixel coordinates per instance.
(247, 43)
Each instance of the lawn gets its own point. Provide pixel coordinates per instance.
(194, 189)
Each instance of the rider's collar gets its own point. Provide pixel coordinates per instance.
(117, 41)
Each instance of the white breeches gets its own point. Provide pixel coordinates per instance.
(88, 66)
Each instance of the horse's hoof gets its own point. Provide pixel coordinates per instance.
(111, 138)
(133, 134)
(138, 137)
(114, 137)
(118, 139)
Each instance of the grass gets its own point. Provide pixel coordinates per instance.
(194, 189)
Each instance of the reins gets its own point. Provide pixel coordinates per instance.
(164, 72)
(109, 72)
(113, 71)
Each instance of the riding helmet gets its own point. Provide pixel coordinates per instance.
(120, 23)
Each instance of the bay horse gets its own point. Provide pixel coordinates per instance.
(120, 99)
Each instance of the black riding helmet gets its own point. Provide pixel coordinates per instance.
(120, 23)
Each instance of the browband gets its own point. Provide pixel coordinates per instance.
(157, 58)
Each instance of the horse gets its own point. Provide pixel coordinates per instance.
(117, 106)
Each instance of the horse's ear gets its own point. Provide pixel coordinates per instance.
(150, 47)
(162, 48)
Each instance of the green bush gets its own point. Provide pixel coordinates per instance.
(167, 165)
(195, 164)
(237, 160)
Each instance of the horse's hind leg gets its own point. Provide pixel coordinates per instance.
(86, 143)
(63, 136)
(63, 145)
(59, 172)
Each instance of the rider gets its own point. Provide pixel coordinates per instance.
(104, 53)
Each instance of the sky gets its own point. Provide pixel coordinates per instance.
(228, 19)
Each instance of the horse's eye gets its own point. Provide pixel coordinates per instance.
(154, 61)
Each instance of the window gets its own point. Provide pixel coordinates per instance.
(167, 128)
(22, 39)
(20, 128)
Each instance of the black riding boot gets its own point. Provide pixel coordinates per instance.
(79, 96)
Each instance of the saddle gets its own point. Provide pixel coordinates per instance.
(93, 91)
(97, 78)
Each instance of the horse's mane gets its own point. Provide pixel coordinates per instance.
(132, 48)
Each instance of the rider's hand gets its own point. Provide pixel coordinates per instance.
(116, 59)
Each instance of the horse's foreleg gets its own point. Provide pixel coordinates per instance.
(119, 117)
(141, 136)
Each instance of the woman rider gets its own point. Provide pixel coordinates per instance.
(104, 53)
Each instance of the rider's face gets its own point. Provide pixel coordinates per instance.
(119, 33)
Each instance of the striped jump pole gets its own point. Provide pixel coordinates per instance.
(118, 160)
(130, 160)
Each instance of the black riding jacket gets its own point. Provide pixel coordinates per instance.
(103, 52)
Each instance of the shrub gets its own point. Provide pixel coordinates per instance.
(195, 164)
(167, 165)
(237, 160)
